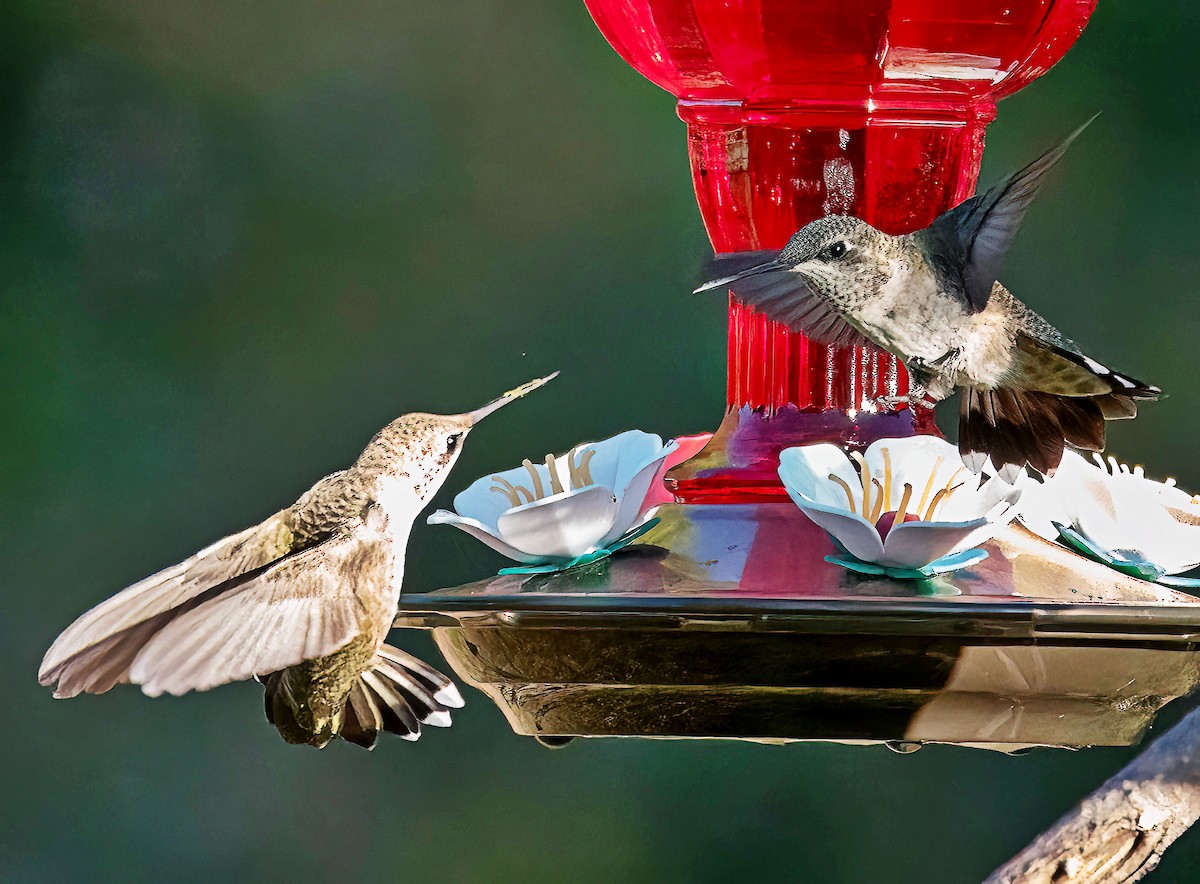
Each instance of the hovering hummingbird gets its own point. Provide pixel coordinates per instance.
(932, 299)
(301, 602)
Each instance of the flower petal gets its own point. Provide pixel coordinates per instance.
(1159, 538)
(974, 500)
(805, 471)
(631, 508)
(852, 531)
(916, 544)
(621, 457)
(480, 531)
(478, 502)
(1076, 487)
(562, 526)
(615, 462)
(1134, 517)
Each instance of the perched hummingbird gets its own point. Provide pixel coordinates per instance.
(301, 602)
(932, 299)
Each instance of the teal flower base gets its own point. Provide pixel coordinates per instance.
(1134, 567)
(944, 565)
(587, 558)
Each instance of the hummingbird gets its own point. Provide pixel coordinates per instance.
(301, 602)
(933, 300)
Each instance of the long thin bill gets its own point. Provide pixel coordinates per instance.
(725, 266)
(474, 417)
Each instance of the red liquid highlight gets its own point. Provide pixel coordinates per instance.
(802, 108)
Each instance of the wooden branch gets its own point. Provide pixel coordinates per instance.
(1120, 831)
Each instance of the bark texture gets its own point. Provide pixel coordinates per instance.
(1120, 831)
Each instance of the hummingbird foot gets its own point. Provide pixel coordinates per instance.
(914, 399)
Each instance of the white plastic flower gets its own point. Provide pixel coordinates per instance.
(1105, 510)
(906, 508)
(573, 508)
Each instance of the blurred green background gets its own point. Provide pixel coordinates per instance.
(237, 238)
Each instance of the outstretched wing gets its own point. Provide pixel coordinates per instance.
(976, 234)
(117, 627)
(305, 606)
(1048, 361)
(758, 279)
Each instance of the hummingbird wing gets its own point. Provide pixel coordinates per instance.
(1063, 369)
(975, 236)
(1048, 361)
(94, 652)
(304, 606)
(781, 294)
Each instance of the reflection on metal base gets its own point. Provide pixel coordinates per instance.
(735, 627)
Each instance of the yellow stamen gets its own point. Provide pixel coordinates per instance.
(928, 485)
(877, 509)
(845, 487)
(954, 478)
(938, 499)
(933, 505)
(585, 468)
(538, 490)
(902, 510)
(555, 481)
(887, 477)
(513, 492)
(513, 500)
(572, 468)
(865, 476)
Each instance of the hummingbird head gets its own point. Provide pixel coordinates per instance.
(418, 450)
(843, 258)
(837, 261)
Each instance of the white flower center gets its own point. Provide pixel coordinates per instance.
(877, 495)
(578, 475)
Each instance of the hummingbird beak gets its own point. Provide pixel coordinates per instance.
(474, 417)
(757, 270)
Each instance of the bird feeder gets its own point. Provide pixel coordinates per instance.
(731, 623)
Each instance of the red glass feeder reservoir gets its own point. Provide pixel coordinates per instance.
(797, 109)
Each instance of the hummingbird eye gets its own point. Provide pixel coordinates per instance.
(832, 252)
(452, 442)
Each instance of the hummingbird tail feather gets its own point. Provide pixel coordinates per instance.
(1028, 427)
(398, 694)
(1117, 407)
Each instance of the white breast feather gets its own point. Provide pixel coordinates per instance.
(910, 317)
(400, 502)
